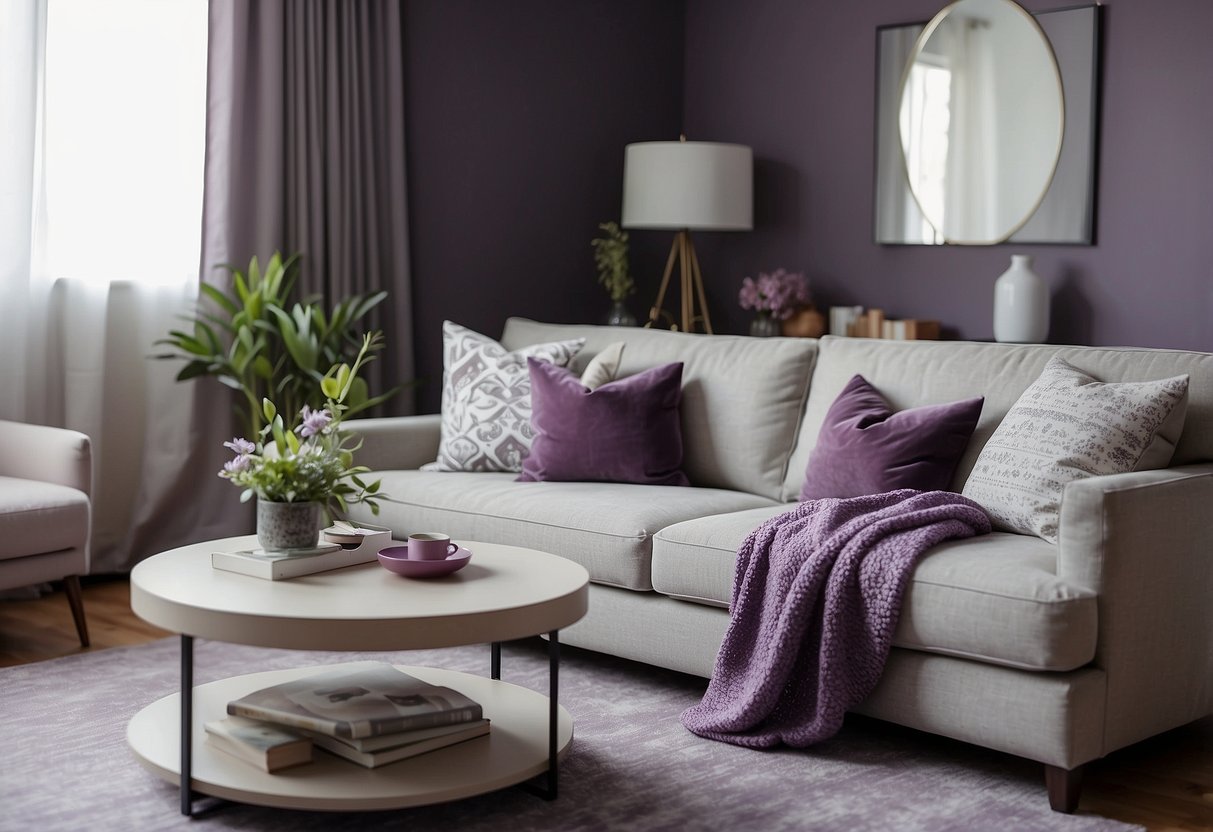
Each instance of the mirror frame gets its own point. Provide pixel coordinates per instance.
(924, 37)
(1075, 175)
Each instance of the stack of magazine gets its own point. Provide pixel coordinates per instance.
(368, 712)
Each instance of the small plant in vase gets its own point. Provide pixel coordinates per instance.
(299, 472)
(611, 258)
(775, 297)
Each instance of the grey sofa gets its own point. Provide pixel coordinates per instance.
(1057, 653)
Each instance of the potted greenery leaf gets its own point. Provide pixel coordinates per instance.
(253, 339)
(611, 258)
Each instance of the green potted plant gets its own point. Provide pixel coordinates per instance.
(253, 339)
(611, 258)
(302, 470)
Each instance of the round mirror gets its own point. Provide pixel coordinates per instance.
(981, 120)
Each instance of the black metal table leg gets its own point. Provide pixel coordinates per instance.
(495, 660)
(553, 685)
(187, 723)
(548, 790)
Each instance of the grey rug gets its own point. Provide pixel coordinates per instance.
(64, 763)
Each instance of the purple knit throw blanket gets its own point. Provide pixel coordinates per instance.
(816, 597)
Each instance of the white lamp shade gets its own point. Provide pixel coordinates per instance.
(703, 186)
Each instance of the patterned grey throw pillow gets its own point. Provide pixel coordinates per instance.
(1068, 426)
(486, 400)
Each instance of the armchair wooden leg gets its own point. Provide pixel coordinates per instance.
(1065, 787)
(72, 584)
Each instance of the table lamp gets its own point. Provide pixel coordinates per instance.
(687, 186)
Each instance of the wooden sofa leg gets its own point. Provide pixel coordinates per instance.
(1065, 787)
(72, 584)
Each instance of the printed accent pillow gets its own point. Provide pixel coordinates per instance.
(624, 431)
(1068, 426)
(486, 400)
(865, 448)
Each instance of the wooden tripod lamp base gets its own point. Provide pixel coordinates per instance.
(691, 286)
(679, 186)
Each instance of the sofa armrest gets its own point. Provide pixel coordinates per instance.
(1144, 542)
(396, 442)
(47, 454)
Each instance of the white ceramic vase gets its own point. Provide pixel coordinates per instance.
(1021, 304)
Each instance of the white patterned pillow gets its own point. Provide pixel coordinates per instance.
(1068, 426)
(486, 400)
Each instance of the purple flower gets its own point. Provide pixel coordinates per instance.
(314, 421)
(748, 296)
(781, 293)
(235, 466)
(240, 446)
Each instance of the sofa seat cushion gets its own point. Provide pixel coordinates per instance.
(995, 598)
(606, 527)
(40, 517)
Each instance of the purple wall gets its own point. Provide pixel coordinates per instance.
(517, 116)
(794, 79)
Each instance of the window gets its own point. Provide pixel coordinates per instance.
(125, 107)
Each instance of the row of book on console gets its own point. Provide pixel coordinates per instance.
(370, 713)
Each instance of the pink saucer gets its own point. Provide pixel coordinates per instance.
(396, 559)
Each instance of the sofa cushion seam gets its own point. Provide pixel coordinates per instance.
(643, 535)
(1004, 596)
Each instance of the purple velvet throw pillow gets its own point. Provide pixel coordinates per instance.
(866, 448)
(624, 431)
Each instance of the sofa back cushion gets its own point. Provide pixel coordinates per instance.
(914, 373)
(742, 397)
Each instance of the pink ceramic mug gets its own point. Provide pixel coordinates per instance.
(431, 546)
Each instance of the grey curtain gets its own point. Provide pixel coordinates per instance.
(305, 153)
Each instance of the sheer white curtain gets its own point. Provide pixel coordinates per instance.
(100, 159)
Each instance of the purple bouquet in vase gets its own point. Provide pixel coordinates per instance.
(775, 297)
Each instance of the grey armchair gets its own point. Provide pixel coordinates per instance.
(45, 511)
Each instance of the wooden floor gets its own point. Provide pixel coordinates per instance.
(1165, 783)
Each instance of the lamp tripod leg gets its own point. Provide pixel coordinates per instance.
(703, 299)
(655, 311)
(687, 299)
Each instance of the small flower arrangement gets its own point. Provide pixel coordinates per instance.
(779, 293)
(313, 461)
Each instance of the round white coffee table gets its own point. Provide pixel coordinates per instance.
(506, 592)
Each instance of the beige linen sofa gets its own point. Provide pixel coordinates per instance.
(45, 482)
(1057, 653)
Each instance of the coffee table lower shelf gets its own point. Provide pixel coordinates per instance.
(515, 750)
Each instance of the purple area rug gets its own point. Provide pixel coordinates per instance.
(632, 766)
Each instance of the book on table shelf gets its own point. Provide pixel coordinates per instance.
(872, 323)
(405, 744)
(267, 746)
(358, 700)
(294, 563)
(382, 741)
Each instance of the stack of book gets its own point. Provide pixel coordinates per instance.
(368, 712)
(342, 545)
(873, 324)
